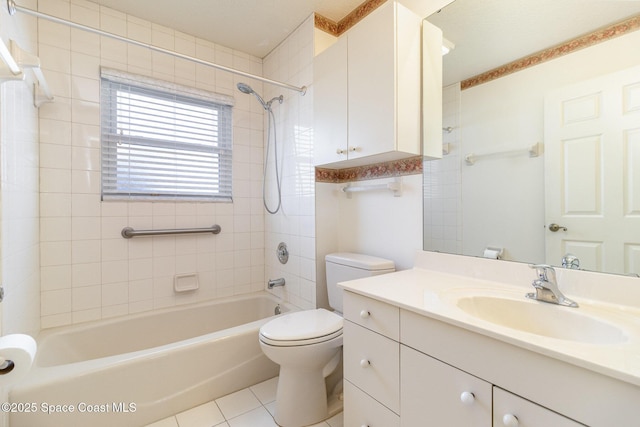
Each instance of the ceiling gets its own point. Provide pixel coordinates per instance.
(491, 33)
(251, 26)
(487, 33)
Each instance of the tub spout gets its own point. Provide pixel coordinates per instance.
(275, 282)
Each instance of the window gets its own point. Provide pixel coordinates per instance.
(162, 141)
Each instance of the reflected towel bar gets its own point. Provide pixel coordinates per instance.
(129, 232)
(533, 151)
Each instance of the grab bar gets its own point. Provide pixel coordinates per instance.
(129, 232)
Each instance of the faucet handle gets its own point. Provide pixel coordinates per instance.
(545, 272)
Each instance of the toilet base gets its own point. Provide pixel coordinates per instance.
(301, 398)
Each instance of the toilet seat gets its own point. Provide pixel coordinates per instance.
(302, 328)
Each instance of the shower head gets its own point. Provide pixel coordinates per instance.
(245, 88)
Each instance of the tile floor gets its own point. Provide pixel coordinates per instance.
(251, 407)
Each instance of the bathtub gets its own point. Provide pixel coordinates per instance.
(137, 369)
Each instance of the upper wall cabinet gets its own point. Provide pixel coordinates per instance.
(367, 91)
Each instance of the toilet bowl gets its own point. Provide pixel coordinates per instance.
(307, 345)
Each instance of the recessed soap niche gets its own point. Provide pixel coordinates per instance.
(185, 282)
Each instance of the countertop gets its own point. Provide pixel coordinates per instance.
(434, 294)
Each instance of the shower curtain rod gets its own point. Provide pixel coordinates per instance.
(11, 5)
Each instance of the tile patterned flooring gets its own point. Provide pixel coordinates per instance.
(250, 407)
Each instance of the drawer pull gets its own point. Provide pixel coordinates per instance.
(365, 363)
(364, 314)
(510, 420)
(467, 398)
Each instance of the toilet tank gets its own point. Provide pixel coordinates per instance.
(343, 266)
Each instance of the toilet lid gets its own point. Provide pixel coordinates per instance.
(307, 326)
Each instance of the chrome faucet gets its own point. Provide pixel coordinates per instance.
(547, 287)
(275, 282)
(571, 261)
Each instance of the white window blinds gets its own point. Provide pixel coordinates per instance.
(162, 141)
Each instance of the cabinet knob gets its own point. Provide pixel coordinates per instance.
(354, 148)
(364, 314)
(341, 151)
(365, 363)
(467, 398)
(510, 420)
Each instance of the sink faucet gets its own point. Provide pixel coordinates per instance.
(571, 261)
(547, 287)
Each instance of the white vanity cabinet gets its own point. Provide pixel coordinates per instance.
(371, 363)
(367, 89)
(434, 393)
(415, 370)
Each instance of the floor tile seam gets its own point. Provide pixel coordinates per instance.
(247, 411)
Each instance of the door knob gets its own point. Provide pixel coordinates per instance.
(555, 227)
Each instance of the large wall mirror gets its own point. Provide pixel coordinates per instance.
(511, 170)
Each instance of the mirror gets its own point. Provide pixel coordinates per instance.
(496, 206)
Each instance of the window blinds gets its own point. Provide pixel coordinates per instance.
(163, 141)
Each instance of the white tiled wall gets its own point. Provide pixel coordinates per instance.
(19, 189)
(88, 270)
(292, 62)
(442, 183)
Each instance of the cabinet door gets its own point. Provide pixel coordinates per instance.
(513, 411)
(434, 394)
(372, 85)
(330, 103)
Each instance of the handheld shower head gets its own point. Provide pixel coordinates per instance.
(245, 88)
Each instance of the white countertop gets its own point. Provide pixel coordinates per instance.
(434, 294)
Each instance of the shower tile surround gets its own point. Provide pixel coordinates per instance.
(294, 224)
(88, 271)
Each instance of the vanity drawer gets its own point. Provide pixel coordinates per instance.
(372, 363)
(508, 406)
(360, 409)
(376, 315)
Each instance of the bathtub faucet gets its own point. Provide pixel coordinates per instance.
(276, 282)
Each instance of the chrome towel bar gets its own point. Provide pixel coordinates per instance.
(129, 232)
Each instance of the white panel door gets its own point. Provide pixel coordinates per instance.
(592, 173)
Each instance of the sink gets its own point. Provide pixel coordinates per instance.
(542, 319)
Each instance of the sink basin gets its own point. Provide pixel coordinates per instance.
(542, 319)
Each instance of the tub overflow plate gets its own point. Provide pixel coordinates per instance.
(283, 253)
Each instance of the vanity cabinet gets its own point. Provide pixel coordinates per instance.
(367, 91)
(435, 393)
(371, 362)
(405, 369)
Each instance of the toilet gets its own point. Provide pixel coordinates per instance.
(308, 345)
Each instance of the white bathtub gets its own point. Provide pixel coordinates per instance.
(134, 370)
